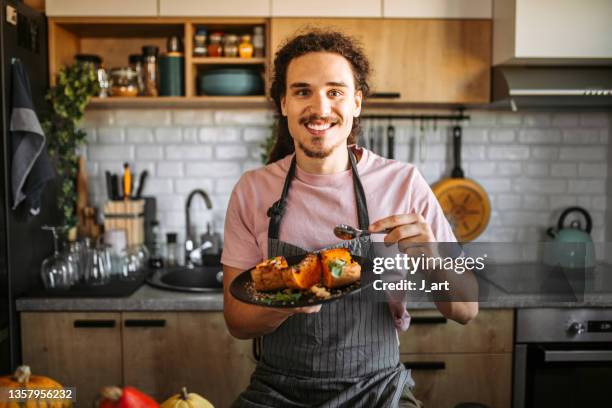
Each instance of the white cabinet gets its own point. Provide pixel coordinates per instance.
(210, 8)
(326, 8)
(97, 8)
(553, 29)
(437, 9)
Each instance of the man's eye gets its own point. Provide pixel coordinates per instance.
(335, 92)
(301, 92)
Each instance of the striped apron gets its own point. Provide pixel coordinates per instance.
(344, 356)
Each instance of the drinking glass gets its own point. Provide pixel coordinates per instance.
(56, 269)
(97, 271)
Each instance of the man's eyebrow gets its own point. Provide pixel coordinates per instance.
(306, 85)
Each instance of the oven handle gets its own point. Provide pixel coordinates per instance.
(577, 355)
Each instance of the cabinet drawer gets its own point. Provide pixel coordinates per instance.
(107, 8)
(445, 380)
(429, 332)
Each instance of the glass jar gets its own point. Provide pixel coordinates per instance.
(172, 254)
(246, 48)
(124, 81)
(230, 46)
(149, 53)
(137, 65)
(199, 43)
(215, 47)
(258, 42)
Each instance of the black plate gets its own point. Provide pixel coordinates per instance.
(241, 287)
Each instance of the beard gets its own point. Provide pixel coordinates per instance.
(320, 153)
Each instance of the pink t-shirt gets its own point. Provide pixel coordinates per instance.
(316, 203)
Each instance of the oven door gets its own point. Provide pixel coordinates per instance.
(562, 375)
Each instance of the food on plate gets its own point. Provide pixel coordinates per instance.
(268, 275)
(338, 268)
(320, 292)
(305, 274)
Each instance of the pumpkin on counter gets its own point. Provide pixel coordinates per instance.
(23, 379)
(128, 397)
(186, 400)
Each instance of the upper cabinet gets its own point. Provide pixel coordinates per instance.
(424, 61)
(528, 30)
(326, 8)
(226, 8)
(108, 8)
(437, 8)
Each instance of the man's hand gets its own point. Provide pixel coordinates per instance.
(407, 230)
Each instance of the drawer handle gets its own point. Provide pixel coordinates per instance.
(145, 323)
(387, 95)
(425, 365)
(93, 324)
(428, 320)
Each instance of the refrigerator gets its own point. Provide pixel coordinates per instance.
(23, 245)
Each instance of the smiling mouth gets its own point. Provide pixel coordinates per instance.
(318, 128)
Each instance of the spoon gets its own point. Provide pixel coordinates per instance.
(346, 232)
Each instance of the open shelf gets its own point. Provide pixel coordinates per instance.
(143, 102)
(226, 61)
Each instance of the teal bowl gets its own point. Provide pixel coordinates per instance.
(230, 82)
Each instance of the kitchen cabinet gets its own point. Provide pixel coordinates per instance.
(107, 8)
(157, 352)
(453, 363)
(424, 61)
(163, 352)
(323, 8)
(227, 8)
(81, 350)
(437, 9)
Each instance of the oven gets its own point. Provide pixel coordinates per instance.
(563, 358)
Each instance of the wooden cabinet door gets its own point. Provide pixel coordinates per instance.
(106, 8)
(437, 9)
(425, 61)
(445, 380)
(165, 351)
(324, 8)
(81, 350)
(227, 8)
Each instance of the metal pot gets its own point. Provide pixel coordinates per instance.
(571, 247)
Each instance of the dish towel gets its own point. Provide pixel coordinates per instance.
(31, 168)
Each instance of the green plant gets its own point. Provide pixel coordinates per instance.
(268, 144)
(75, 84)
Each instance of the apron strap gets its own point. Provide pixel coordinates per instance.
(277, 210)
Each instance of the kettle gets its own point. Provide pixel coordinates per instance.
(571, 247)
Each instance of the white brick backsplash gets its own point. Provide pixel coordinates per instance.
(149, 152)
(563, 170)
(139, 117)
(533, 165)
(540, 136)
(168, 135)
(91, 135)
(508, 152)
(139, 135)
(110, 152)
(592, 170)
(253, 134)
(169, 169)
(582, 153)
(110, 135)
(231, 152)
(219, 134)
(186, 152)
(192, 117)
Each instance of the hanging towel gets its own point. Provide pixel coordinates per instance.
(31, 168)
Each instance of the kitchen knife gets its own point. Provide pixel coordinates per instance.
(109, 185)
(115, 187)
(141, 183)
(127, 181)
(391, 141)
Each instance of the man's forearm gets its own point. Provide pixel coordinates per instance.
(461, 312)
(247, 321)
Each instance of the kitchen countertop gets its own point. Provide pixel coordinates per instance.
(498, 295)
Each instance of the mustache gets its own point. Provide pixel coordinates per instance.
(327, 119)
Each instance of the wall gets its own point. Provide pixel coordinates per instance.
(532, 165)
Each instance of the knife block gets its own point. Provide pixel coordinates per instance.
(127, 215)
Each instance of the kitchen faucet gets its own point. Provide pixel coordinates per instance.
(192, 254)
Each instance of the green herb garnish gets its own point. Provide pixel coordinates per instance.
(282, 297)
(336, 266)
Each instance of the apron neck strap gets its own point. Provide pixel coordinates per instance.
(277, 210)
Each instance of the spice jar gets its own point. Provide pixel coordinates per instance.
(215, 47)
(150, 70)
(124, 81)
(199, 43)
(230, 45)
(136, 64)
(258, 42)
(246, 48)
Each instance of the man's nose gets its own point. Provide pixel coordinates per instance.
(321, 105)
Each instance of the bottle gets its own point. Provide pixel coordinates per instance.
(199, 43)
(136, 62)
(230, 45)
(171, 249)
(149, 53)
(156, 261)
(215, 48)
(246, 48)
(259, 42)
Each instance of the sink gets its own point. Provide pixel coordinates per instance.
(185, 279)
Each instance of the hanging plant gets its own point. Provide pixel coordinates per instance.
(267, 145)
(75, 84)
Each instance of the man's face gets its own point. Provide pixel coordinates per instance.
(320, 102)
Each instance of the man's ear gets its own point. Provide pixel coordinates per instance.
(283, 106)
(358, 100)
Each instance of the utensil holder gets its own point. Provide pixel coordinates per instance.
(127, 215)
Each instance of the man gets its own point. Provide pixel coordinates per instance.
(344, 353)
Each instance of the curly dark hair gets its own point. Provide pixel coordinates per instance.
(315, 40)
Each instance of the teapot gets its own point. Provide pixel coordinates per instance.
(571, 247)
